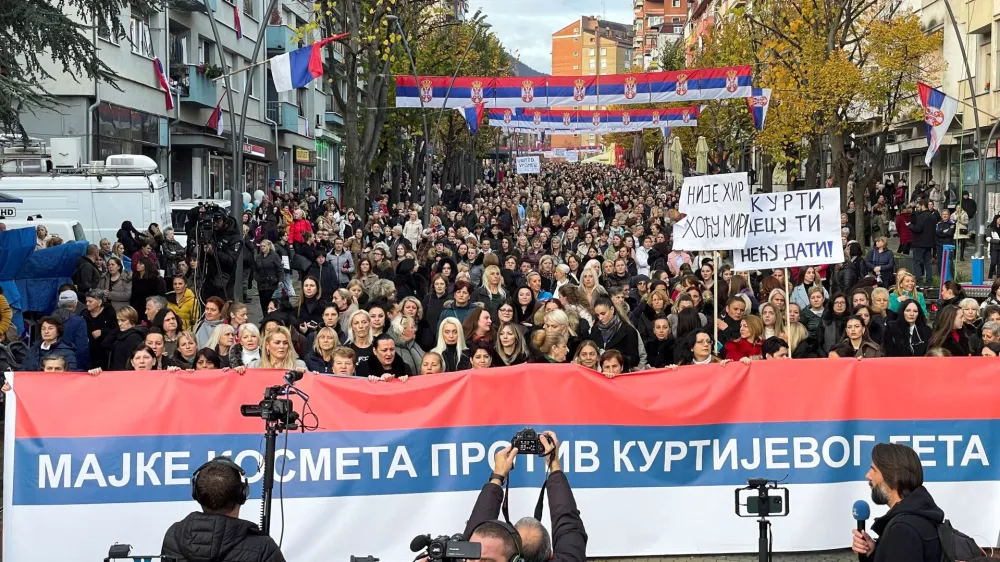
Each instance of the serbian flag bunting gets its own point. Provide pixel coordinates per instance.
(215, 121)
(164, 83)
(939, 110)
(298, 68)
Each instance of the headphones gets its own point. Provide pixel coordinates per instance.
(224, 461)
(511, 531)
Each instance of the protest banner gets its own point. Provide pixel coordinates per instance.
(529, 164)
(791, 229)
(559, 153)
(716, 213)
(93, 471)
(572, 156)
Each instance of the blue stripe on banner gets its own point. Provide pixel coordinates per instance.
(145, 469)
(720, 82)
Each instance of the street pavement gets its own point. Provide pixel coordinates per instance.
(823, 556)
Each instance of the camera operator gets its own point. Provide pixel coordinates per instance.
(217, 534)
(220, 242)
(568, 541)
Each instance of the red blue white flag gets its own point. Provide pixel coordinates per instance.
(300, 67)
(161, 75)
(215, 121)
(758, 104)
(237, 23)
(939, 110)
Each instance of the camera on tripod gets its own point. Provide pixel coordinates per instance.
(762, 498)
(201, 222)
(272, 409)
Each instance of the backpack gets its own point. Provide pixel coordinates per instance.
(956, 546)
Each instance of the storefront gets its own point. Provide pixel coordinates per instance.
(304, 168)
(121, 130)
(257, 157)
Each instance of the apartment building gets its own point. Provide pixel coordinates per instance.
(657, 24)
(292, 140)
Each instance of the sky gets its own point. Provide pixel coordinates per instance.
(525, 27)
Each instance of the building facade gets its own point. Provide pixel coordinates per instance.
(590, 47)
(658, 23)
(291, 140)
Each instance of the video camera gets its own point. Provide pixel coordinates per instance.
(272, 408)
(201, 222)
(762, 498)
(444, 547)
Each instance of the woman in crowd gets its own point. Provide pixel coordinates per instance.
(278, 353)
(118, 284)
(360, 340)
(511, 348)
(856, 342)
(948, 333)
(478, 328)
(215, 309)
(101, 321)
(269, 272)
(908, 335)
(451, 345)
(50, 343)
(808, 278)
(122, 341)
(309, 314)
(491, 294)
(552, 346)
(248, 348)
(696, 349)
(183, 302)
(588, 355)
(616, 333)
(404, 333)
(222, 340)
(431, 364)
(320, 359)
(906, 289)
(187, 350)
(773, 321)
(481, 356)
(833, 322)
(749, 342)
(145, 283)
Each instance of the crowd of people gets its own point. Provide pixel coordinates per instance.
(572, 265)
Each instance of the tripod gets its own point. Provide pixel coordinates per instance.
(278, 416)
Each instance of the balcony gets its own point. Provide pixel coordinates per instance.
(334, 119)
(195, 87)
(280, 38)
(285, 114)
(193, 5)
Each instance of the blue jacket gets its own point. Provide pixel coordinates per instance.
(886, 260)
(75, 333)
(33, 361)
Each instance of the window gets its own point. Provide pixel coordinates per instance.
(178, 49)
(593, 65)
(106, 30)
(675, 20)
(248, 7)
(252, 85)
(206, 51)
(139, 36)
(604, 64)
(576, 67)
(576, 39)
(676, 3)
(576, 30)
(576, 53)
(235, 80)
(591, 52)
(604, 51)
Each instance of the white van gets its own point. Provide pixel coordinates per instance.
(100, 196)
(68, 230)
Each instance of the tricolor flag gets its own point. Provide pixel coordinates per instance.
(301, 66)
(939, 110)
(758, 103)
(164, 82)
(473, 116)
(237, 24)
(215, 121)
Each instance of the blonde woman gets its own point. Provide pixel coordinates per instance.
(798, 345)
(360, 338)
(511, 348)
(187, 350)
(248, 349)
(906, 289)
(491, 293)
(773, 319)
(320, 358)
(451, 345)
(591, 288)
(278, 353)
(221, 341)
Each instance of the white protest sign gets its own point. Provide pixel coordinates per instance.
(717, 210)
(794, 228)
(572, 156)
(529, 164)
(559, 153)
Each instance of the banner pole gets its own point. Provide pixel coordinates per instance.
(788, 305)
(715, 300)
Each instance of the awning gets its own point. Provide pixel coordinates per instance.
(253, 148)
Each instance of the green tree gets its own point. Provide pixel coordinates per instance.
(673, 57)
(45, 36)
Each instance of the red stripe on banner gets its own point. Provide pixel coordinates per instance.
(160, 403)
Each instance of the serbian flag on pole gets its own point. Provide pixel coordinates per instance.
(164, 83)
(215, 121)
(473, 116)
(939, 110)
(237, 24)
(757, 103)
(301, 66)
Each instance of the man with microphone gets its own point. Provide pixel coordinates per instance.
(909, 531)
(568, 542)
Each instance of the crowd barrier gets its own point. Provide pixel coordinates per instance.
(653, 457)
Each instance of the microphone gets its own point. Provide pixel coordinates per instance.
(861, 512)
(421, 542)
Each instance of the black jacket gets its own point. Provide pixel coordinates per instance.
(923, 225)
(569, 537)
(909, 531)
(86, 277)
(122, 344)
(398, 369)
(626, 340)
(899, 342)
(269, 270)
(204, 537)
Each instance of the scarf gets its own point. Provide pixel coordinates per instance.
(608, 330)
